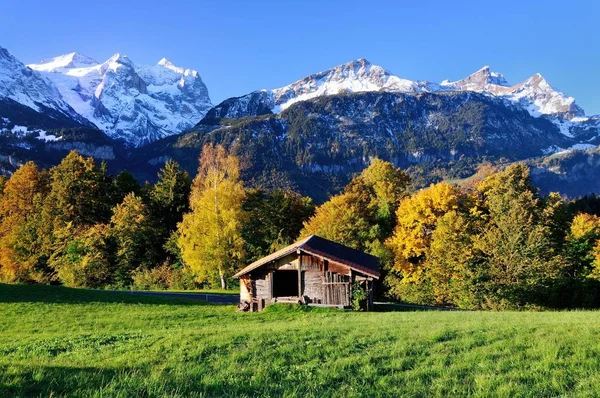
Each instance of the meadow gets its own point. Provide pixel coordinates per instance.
(56, 341)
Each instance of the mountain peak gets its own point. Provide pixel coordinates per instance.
(360, 61)
(477, 81)
(66, 61)
(165, 63)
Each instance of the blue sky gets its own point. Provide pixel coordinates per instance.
(240, 46)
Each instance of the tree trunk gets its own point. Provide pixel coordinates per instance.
(223, 281)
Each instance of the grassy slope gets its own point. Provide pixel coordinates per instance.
(56, 341)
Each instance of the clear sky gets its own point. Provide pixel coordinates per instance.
(241, 46)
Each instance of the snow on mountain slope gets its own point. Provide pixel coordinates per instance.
(534, 94)
(28, 88)
(481, 81)
(356, 76)
(138, 104)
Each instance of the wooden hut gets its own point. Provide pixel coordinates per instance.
(313, 271)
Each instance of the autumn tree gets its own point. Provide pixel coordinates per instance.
(80, 191)
(581, 245)
(416, 221)
(452, 264)
(363, 215)
(22, 257)
(210, 235)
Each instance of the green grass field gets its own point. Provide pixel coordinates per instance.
(64, 342)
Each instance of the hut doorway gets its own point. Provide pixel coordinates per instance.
(285, 283)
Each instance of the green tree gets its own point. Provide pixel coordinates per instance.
(135, 238)
(169, 197)
(273, 220)
(169, 200)
(88, 259)
(521, 261)
(122, 185)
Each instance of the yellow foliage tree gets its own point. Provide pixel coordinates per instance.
(583, 245)
(416, 221)
(450, 258)
(341, 219)
(363, 215)
(210, 235)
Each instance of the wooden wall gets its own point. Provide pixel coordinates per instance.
(321, 282)
(336, 289)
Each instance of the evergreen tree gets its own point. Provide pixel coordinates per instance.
(124, 184)
(169, 197)
(273, 220)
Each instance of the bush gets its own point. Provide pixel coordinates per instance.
(163, 277)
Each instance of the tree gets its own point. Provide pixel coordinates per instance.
(22, 257)
(88, 259)
(363, 215)
(581, 246)
(80, 191)
(169, 200)
(135, 237)
(122, 185)
(343, 219)
(416, 221)
(169, 197)
(273, 220)
(210, 235)
(521, 261)
(452, 265)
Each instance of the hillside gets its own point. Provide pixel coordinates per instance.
(316, 145)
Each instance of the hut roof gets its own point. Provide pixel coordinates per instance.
(326, 249)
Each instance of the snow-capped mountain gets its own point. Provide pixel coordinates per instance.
(26, 96)
(356, 76)
(138, 104)
(534, 94)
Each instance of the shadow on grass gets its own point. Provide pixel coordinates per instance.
(402, 307)
(45, 381)
(50, 381)
(64, 295)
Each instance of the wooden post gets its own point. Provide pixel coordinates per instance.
(300, 275)
(271, 276)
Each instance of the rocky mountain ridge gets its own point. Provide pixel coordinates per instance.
(138, 104)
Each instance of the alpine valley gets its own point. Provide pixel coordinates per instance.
(311, 135)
